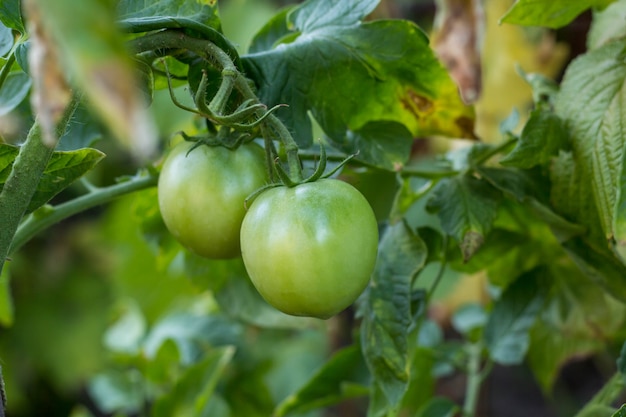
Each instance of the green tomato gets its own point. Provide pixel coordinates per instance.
(310, 249)
(202, 193)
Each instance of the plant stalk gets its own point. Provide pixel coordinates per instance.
(218, 104)
(474, 379)
(37, 221)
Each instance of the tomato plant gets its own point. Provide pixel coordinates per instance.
(490, 277)
(201, 195)
(310, 249)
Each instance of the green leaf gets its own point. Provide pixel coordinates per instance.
(576, 305)
(544, 89)
(343, 377)
(498, 244)
(14, 91)
(82, 131)
(191, 396)
(7, 310)
(6, 40)
(411, 190)
(21, 55)
(218, 407)
(11, 15)
(520, 185)
(439, 407)
(192, 333)
(621, 412)
(116, 391)
(467, 207)
(533, 244)
(599, 265)
(542, 137)
(602, 403)
(509, 124)
(126, 334)
(571, 194)
(272, 33)
(378, 186)
(387, 64)
(596, 410)
(530, 188)
(619, 222)
(553, 14)
(468, 319)
(550, 349)
(315, 14)
(387, 311)
(62, 170)
(578, 318)
(137, 13)
(252, 383)
(165, 366)
(201, 17)
(591, 101)
(607, 25)
(507, 331)
(385, 145)
(422, 382)
(93, 51)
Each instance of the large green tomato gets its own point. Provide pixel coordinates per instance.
(310, 249)
(202, 193)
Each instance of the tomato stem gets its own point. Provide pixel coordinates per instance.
(174, 40)
(218, 103)
(39, 221)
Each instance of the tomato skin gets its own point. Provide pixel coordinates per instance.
(202, 192)
(310, 249)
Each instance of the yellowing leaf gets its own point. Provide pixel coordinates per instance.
(320, 63)
(553, 13)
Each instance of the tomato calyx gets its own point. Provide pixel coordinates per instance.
(247, 116)
(286, 181)
(225, 137)
(319, 172)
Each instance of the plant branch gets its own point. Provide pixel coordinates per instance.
(176, 40)
(49, 216)
(428, 174)
(24, 178)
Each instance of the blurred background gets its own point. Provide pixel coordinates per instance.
(87, 290)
